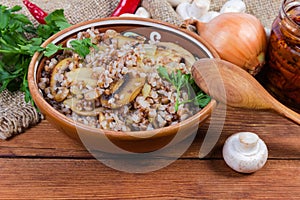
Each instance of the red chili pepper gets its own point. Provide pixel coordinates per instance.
(38, 13)
(125, 6)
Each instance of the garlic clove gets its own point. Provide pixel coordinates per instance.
(208, 16)
(233, 6)
(245, 152)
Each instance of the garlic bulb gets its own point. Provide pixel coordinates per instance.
(245, 152)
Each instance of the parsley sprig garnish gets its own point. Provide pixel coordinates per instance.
(181, 81)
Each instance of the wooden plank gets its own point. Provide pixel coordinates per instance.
(280, 135)
(42, 140)
(198, 179)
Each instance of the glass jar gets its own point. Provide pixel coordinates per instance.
(283, 70)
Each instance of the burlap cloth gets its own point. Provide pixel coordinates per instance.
(16, 115)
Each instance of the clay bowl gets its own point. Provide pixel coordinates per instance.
(113, 141)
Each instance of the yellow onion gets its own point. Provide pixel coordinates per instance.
(239, 38)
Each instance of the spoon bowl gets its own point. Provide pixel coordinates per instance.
(241, 89)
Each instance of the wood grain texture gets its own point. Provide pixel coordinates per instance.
(281, 136)
(43, 163)
(42, 140)
(184, 179)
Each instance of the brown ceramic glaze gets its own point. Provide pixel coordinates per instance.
(140, 141)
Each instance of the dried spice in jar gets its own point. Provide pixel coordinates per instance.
(283, 71)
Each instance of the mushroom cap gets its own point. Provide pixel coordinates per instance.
(245, 152)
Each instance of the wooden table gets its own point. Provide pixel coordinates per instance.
(43, 163)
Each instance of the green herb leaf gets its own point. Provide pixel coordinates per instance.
(180, 81)
(16, 8)
(202, 100)
(32, 46)
(51, 49)
(57, 19)
(55, 22)
(163, 73)
(44, 31)
(21, 18)
(4, 17)
(82, 47)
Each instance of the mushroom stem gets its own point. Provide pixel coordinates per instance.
(248, 143)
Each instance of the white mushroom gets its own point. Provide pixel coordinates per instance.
(193, 10)
(175, 3)
(182, 10)
(208, 16)
(198, 8)
(245, 152)
(233, 6)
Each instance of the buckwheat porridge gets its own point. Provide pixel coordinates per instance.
(126, 83)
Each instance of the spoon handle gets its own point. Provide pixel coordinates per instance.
(284, 111)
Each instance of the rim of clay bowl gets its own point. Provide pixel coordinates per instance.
(45, 107)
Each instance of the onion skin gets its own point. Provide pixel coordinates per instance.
(239, 38)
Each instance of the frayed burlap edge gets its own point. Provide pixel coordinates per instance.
(15, 114)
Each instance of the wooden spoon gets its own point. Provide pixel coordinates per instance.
(238, 89)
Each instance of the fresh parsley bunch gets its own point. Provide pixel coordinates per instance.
(19, 40)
